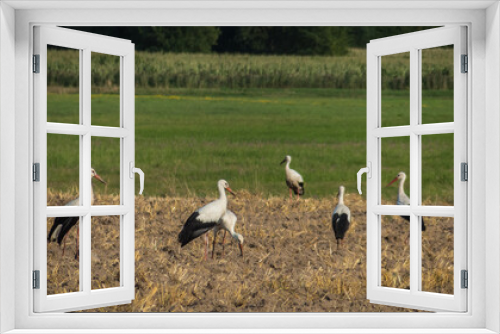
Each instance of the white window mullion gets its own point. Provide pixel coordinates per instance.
(373, 184)
(414, 171)
(127, 226)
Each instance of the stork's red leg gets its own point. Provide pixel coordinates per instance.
(64, 244)
(290, 190)
(213, 244)
(224, 243)
(77, 252)
(206, 246)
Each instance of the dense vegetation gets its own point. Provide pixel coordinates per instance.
(158, 71)
(252, 40)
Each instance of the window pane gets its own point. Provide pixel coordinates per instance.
(437, 85)
(437, 255)
(437, 170)
(105, 159)
(63, 82)
(395, 77)
(396, 169)
(395, 252)
(105, 89)
(63, 170)
(105, 252)
(63, 262)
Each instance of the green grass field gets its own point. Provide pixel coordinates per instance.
(187, 140)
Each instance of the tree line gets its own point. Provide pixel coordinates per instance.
(325, 41)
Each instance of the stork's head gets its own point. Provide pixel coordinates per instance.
(287, 159)
(239, 238)
(93, 174)
(225, 185)
(400, 176)
(341, 191)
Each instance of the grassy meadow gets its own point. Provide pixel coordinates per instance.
(185, 143)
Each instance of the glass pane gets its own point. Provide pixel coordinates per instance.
(106, 165)
(395, 170)
(63, 84)
(63, 170)
(63, 262)
(395, 252)
(437, 170)
(437, 84)
(105, 252)
(395, 90)
(105, 89)
(437, 255)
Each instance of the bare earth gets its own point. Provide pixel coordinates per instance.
(291, 262)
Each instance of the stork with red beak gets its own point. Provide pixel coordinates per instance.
(403, 199)
(205, 218)
(62, 225)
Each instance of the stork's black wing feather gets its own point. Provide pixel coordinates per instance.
(67, 224)
(407, 218)
(59, 222)
(193, 228)
(340, 225)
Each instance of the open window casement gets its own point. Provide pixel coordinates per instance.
(83, 131)
(414, 44)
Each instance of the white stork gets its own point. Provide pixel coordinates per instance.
(403, 199)
(341, 218)
(227, 223)
(205, 218)
(294, 180)
(62, 225)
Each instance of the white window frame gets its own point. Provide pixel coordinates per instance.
(85, 43)
(483, 20)
(414, 43)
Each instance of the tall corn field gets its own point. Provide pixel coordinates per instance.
(170, 70)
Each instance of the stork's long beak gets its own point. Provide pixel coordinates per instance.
(231, 191)
(284, 160)
(395, 179)
(241, 249)
(99, 178)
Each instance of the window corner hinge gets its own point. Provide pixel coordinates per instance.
(464, 172)
(36, 172)
(465, 64)
(36, 279)
(36, 63)
(465, 279)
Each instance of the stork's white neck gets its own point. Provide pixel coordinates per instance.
(91, 192)
(401, 190)
(341, 197)
(222, 193)
(287, 167)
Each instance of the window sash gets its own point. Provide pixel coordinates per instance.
(413, 43)
(86, 43)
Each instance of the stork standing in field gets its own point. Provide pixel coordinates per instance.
(62, 225)
(227, 223)
(403, 199)
(205, 218)
(294, 180)
(341, 218)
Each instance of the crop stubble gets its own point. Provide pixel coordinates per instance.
(291, 261)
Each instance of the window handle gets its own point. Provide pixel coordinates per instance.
(141, 175)
(368, 171)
